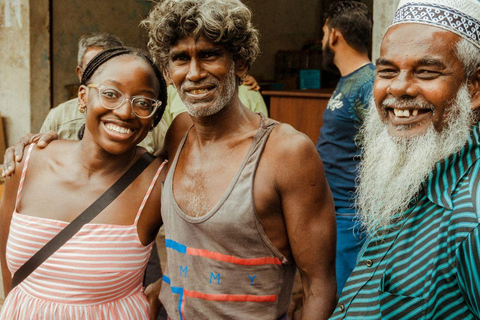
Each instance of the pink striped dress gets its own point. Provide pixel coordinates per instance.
(97, 274)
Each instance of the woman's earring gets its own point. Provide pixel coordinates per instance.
(81, 107)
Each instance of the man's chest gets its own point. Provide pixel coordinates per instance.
(204, 174)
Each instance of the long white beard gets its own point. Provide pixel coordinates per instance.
(392, 169)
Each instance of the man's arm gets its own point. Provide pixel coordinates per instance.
(309, 215)
(14, 154)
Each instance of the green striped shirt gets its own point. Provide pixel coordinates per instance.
(426, 266)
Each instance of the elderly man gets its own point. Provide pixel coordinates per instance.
(419, 177)
(245, 201)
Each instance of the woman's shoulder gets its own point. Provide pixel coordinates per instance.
(55, 152)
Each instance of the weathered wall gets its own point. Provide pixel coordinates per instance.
(383, 12)
(39, 62)
(15, 67)
(72, 18)
(24, 66)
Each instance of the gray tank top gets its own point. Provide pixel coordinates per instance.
(222, 265)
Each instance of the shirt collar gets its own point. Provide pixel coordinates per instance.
(447, 173)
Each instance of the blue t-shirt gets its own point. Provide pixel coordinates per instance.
(338, 144)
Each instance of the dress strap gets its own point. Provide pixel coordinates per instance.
(24, 172)
(150, 188)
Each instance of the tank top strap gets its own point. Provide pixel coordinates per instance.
(267, 122)
(179, 150)
(266, 127)
(150, 188)
(24, 172)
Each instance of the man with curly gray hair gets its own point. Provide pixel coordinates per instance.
(245, 201)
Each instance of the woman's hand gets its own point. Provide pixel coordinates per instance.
(15, 153)
(152, 292)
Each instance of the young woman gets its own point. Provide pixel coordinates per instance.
(98, 273)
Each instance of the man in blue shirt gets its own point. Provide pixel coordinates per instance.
(346, 41)
(419, 194)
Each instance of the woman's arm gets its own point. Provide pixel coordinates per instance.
(7, 206)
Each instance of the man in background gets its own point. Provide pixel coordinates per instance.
(419, 176)
(345, 43)
(245, 200)
(66, 119)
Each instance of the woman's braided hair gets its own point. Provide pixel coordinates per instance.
(108, 54)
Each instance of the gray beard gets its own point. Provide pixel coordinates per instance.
(392, 169)
(228, 89)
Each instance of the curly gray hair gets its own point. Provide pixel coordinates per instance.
(226, 22)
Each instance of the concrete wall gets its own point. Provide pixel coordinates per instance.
(39, 62)
(383, 12)
(24, 68)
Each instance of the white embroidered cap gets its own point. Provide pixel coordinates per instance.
(459, 16)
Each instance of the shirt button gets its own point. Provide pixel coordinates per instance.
(369, 263)
(341, 307)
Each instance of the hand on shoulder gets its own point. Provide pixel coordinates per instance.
(14, 154)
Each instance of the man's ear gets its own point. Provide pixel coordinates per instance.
(474, 89)
(166, 75)
(333, 37)
(79, 73)
(241, 68)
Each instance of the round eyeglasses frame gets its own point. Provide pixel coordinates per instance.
(100, 88)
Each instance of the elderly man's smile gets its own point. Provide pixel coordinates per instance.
(408, 116)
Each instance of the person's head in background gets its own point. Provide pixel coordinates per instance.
(346, 22)
(90, 44)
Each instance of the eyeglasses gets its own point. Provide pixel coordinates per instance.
(111, 98)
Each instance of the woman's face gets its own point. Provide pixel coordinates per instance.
(119, 130)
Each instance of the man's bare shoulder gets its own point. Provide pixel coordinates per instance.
(285, 140)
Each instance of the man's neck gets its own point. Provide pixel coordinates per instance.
(350, 60)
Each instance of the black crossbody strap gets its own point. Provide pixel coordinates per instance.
(86, 216)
